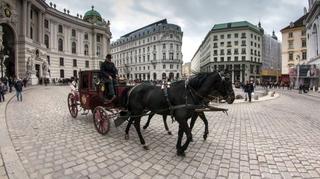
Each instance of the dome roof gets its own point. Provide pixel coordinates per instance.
(92, 16)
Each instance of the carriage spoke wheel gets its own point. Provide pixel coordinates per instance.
(72, 105)
(101, 120)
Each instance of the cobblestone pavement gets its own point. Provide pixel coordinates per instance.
(271, 139)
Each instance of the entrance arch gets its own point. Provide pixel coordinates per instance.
(171, 76)
(9, 50)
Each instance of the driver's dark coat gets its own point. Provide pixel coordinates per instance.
(108, 69)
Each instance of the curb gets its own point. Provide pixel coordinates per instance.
(11, 161)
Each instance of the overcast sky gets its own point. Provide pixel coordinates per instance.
(196, 17)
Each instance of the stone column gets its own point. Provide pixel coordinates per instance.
(25, 15)
(28, 19)
(40, 25)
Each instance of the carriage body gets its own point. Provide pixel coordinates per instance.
(90, 96)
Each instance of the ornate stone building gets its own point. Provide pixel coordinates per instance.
(36, 30)
(152, 52)
(236, 46)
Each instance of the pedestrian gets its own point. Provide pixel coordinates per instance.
(11, 83)
(249, 90)
(18, 86)
(2, 91)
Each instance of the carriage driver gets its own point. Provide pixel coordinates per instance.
(109, 74)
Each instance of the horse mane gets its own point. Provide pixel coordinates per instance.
(197, 80)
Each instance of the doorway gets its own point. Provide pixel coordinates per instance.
(8, 53)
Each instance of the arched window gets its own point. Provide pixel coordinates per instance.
(86, 36)
(74, 48)
(60, 45)
(60, 29)
(86, 49)
(46, 40)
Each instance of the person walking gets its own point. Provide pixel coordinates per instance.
(18, 86)
(249, 89)
(2, 91)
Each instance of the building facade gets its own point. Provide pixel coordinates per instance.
(235, 46)
(271, 58)
(294, 45)
(313, 43)
(186, 70)
(152, 52)
(51, 42)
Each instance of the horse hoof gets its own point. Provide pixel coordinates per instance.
(205, 137)
(181, 153)
(126, 137)
(145, 147)
(169, 133)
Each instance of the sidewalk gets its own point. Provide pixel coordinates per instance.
(10, 164)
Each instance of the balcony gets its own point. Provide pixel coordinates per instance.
(243, 37)
(153, 61)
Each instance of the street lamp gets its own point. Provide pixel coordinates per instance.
(298, 71)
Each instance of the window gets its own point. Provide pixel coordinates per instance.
(46, 40)
(290, 44)
(98, 38)
(75, 73)
(303, 33)
(303, 43)
(61, 73)
(229, 44)
(86, 36)
(86, 50)
(73, 33)
(215, 38)
(222, 59)
(243, 43)
(222, 44)
(74, 48)
(243, 58)
(87, 64)
(215, 45)
(304, 55)
(290, 56)
(221, 52)
(48, 60)
(215, 59)
(243, 35)
(74, 63)
(229, 59)
(221, 36)
(171, 36)
(177, 47)
(60, 45)
(229, 52)
(290, 34)
(164, 56)
(154, 56)
(171, 66)
(31, 33)
(243, 51)
(170, 56)
(98, 51)
(164, 46)
(236, 43)
(251, 68)
(171, 46)
(164, 66)
(229, 36)
(61, 61)
(46, 24)
(60, 29)
(236, 52)
(236, 58)
(215, 52)
(236, 35)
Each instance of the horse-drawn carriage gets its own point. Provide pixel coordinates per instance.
(91, 96)
(183, 100)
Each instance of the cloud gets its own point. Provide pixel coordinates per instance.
(196, 17)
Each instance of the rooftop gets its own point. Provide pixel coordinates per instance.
(297, 23)
(163, 21)
(234, 25)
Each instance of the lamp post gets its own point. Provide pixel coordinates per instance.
(298, 71)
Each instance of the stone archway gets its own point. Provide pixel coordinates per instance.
(9, 51)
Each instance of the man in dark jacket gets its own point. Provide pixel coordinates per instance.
(249, 89)
(18, 86)
(109, 74)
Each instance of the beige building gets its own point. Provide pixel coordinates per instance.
(186, 70)
(152, 52)
(236, 46)
(294, 45)
(41, 41)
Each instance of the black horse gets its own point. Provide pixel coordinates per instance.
(183, 96)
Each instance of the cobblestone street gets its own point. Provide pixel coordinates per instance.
(270, 139)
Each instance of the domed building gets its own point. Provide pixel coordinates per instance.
(67, 43)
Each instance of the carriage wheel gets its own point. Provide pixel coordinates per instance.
(72, 105)
(101, 120)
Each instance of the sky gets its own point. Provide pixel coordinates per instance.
(195, 17)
